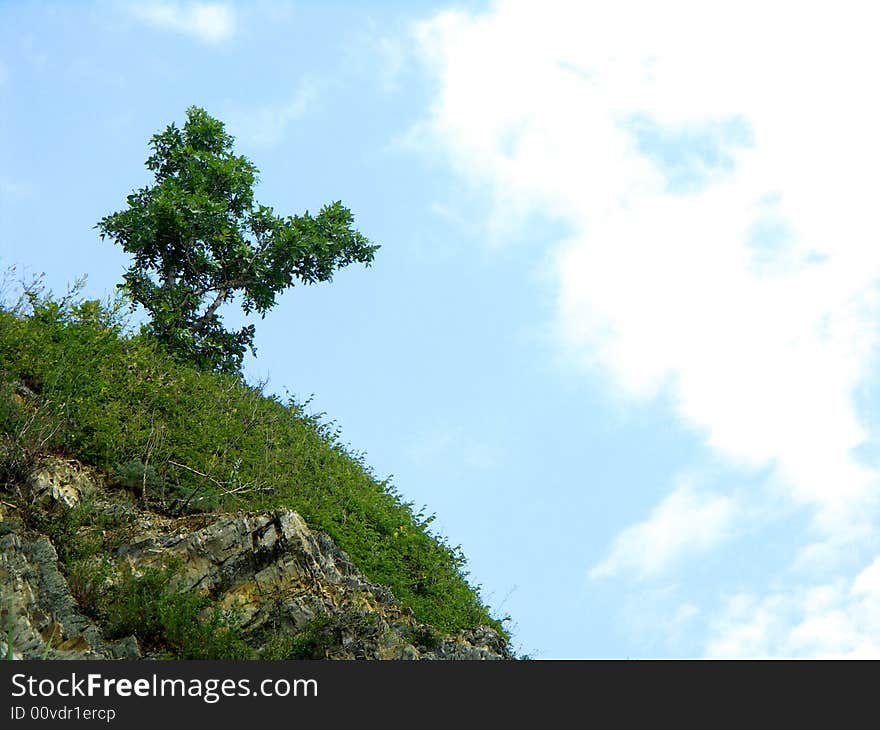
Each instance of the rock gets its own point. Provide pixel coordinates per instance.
(480, 643)
(59, 482)
(37, 604)
(274, 571)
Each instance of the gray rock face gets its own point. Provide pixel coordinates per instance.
(59, 482)
(280, 578)
(40, 611)
(480, 643)
(275, 572)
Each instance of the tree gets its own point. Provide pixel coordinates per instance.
(199, 240)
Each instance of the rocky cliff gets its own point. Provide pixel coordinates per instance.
(84, 564)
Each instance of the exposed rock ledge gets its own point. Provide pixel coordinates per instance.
(269, 567)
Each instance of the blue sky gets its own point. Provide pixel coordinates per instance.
(621, 334)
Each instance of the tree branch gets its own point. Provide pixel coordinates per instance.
(225, 285)
(206, 317)
(196, 472)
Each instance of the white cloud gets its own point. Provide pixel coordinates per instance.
(839, 619)
(762, 345)
(716, 169)
(685, 524)
(207, 22)
(267, 125)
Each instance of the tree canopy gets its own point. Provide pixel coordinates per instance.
(199, 240)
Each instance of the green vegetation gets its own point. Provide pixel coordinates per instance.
(319, 636)
(181, 625)
(81, 535)
(198, 239)
(73, 380)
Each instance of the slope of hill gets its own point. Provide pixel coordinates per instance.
(180, 463)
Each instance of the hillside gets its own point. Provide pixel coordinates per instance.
(174, 458)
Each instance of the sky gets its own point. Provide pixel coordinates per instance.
(621, 335)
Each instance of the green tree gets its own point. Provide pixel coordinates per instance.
(199, 240)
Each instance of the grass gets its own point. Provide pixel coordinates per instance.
(184, 439)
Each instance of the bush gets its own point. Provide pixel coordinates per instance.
(312, 641)
(28, 428)
(318, 638)
(171, 623)
(139, 478)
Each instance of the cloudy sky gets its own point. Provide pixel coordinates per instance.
(621, 335)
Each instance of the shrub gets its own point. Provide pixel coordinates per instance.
(169, 622)
(28, 428)
(136, 477)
